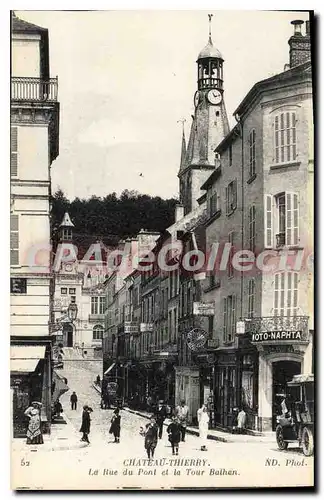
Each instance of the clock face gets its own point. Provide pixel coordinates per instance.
(197, 98)
(214, 96)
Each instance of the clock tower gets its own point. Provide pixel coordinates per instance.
(209, 126)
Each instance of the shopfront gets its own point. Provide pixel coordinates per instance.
(30, 380)
(282, 344)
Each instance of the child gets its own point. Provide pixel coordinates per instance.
(151, 437)
(115, 425)
(174, 431)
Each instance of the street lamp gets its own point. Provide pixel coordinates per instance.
(240, 327)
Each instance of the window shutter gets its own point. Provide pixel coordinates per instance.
(14, 239)
(233, 313)
(234, 194)
(227, 201)
(14, 152)
(225, 319)
(268, 221)
(292, 218)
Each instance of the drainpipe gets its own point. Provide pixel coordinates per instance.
(239, 371)
(239, 121)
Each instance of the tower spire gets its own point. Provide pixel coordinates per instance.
(210, 28)
(183, 146)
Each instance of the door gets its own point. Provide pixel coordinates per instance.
(282, 372)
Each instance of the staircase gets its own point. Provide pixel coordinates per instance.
(72, 354)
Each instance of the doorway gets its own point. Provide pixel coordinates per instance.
(282, 372)
(68, 335)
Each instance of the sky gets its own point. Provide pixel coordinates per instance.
(126, 78)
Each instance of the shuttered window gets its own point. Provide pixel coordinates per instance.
(14, 240)
(14, 152)
(229, 315)
(285, 137)
(251, 297)
(252, 153)
(286, 294)
(292, 218)
(231, 197)
(252, 228)
(268, 221)
(230, 270)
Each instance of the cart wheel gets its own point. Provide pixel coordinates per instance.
(282, 445)
(307, 442)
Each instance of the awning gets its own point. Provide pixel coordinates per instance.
(23, 365)
(109, 369)
(24, 359)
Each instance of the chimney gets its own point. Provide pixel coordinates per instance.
(179, 212)
(300, 47)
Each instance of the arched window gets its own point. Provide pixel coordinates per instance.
(97, 333)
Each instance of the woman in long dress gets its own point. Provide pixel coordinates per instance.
(203, 420)
(34, 433)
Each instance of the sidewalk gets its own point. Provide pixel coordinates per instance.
(63, 437)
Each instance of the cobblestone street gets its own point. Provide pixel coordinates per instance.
(95, 465)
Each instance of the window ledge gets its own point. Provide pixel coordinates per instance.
(251, 178)
(212, 287)
(213, 217)
(231, 212)
(287, 164)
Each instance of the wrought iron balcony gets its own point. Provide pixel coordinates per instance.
(34, 89)
(278, 328)
(280, 239)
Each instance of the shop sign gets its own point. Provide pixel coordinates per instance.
(273, 336)
(146, 327)
(203, 309)
(130, 327)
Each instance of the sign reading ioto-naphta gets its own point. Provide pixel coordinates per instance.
(273, 336)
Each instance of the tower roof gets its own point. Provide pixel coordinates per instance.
(183, 162)
(66, 222)
(210, 51)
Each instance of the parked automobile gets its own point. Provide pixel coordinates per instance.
(297, 425)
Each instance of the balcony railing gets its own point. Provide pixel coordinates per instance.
(34, 89)
(280, 239)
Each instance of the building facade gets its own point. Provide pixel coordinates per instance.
(229, 333)
(263, 208)
(34, 146)
(78, 280)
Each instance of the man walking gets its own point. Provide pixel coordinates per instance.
(74, 400)
(182, 413)
(160, 417)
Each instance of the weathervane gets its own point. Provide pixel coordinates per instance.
(210, 19)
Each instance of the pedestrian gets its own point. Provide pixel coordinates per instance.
(74, 401)
(203, 420)
(151, 437)
(115, 425)
(98, 380)
(58, 408)
(34, 433)
(160, 417)
(241, 420)
(182, 413)
(85, 424)
(174, 432)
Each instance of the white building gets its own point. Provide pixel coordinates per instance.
(34, 146)
(80, 282)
